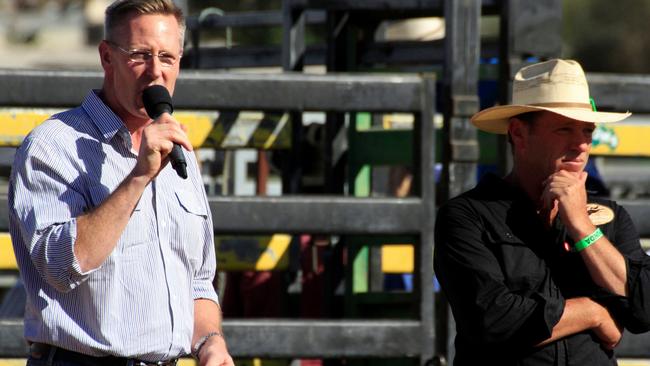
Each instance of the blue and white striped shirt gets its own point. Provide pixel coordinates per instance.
(139, 302)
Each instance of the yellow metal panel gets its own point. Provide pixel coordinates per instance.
(16, 123)
(621, 140)
(7, 257)
(181, 362)
(23, 361)
(275, 254)
(13, 362)
(262, 253)
(258, 253)
(397, 258)
(261, 362)
(269, 131)
(198, 125)
(633, 362)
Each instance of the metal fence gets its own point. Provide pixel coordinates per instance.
(295, 214)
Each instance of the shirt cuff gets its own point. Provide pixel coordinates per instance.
(549, 312)
(637, 316)
(63, 259)
(204, 290)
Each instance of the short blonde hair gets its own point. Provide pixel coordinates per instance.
(119, 10)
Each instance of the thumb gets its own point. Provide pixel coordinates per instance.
(583, 176)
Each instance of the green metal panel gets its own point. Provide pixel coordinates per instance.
(360, 270)
(382, 147)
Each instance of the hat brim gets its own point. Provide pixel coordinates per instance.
(495, 119)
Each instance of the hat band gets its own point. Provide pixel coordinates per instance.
(563, 105)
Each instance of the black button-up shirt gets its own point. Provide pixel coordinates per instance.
(507, 277)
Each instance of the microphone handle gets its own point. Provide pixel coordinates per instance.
(178, 161)
(176, 156)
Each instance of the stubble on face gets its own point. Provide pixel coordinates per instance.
(154, 33)
(557, 143)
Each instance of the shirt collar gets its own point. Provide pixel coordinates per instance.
(108, 123)
(500, 189)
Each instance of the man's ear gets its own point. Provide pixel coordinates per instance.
(105, 55)
(518, 132)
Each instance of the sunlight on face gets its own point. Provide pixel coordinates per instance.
(156, 34)
(554, 142)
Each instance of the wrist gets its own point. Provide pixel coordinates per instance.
(579, 232)
(588, 240)
(598, 314)
(201, 343)
(138, 180)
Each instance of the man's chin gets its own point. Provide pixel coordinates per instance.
(141, 113)
(573, 171)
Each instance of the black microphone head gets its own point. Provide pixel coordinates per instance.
(156, 100)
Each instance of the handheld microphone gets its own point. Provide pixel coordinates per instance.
(156, 100)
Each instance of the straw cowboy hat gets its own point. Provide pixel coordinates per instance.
(557, 86)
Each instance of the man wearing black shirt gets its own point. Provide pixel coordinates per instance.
(535, 270)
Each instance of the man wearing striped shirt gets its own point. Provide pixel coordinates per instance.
(115, 250)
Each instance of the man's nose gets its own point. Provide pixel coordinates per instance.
(154, 67)
(582, 141)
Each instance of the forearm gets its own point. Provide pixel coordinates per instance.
(606, 266)
(207, 323)
(582, 314)
(578, 316)
(99, 230)
(207, 318)
(605, 263)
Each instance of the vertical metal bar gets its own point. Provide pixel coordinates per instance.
(262, 173)
(461, 152)
(293, 49)
(375, 274)
(462, 52)
(195, 37)
(424, 145)
(340, 46)
(506, 42)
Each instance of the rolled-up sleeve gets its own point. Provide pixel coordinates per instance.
(485, 309)
(637, 319)
(43, 205)
(633, 310)
(635, 314)
(202, 283)
(202, 287)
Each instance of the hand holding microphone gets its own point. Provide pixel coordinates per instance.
(156, 100)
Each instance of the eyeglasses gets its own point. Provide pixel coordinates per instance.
(141, 56)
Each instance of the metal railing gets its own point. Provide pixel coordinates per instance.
(295, 214)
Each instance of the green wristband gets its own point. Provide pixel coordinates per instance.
(588, 240)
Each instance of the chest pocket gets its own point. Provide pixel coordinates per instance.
(190, 223)
(190, 203)
(523, 268)
(138, 230)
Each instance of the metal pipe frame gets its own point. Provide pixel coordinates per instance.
(265, 18)
(415, 7)
(336, 215)
(424, 53)
(299, 338)
(219, 90)
(313, 338)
